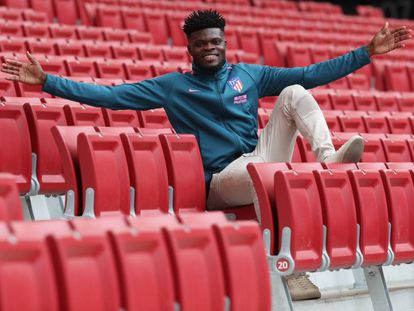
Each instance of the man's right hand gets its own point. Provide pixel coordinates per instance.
(29, 73)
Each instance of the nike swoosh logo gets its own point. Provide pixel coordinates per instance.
(193, 90)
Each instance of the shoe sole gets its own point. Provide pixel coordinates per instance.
(354, 151)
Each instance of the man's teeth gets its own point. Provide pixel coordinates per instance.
(210, 57)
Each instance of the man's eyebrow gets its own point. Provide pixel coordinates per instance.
(206, 40)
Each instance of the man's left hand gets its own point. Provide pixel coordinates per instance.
(388, 39)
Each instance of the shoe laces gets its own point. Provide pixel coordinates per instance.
(304, 282)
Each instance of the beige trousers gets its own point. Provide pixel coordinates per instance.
(295, 110)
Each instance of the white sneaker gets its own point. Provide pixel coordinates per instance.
(301, 288)
(350, 152)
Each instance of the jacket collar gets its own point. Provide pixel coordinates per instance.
(208, 74)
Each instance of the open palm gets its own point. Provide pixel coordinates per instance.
(29, 73)
(388, 39)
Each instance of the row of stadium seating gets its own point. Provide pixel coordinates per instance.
(146, 263)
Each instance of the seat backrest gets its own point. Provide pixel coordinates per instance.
(185, 172)
(396, 77)
(10, 206)
(16, 159)
(84, 115)
(372, 215)
(121, 118)
(399, 189)
(396, 150)
(104, 169)
(147, 172)
(299, 209)
(154, 118)
(339, 217)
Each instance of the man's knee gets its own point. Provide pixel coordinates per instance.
(293, 90)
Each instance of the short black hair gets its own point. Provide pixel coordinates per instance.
(199, 20)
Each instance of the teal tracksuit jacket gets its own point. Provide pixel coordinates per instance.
(219, 109)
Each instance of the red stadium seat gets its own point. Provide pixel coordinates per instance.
(322, 98)
(66, 139)
(41, 118)
(372, 215)
(73, 48)
(81, 68)
(298, 56)
(36, 30)
(84, 115)
(110, 69)
(342, 101)
(146, 158)
(121, 35)
(10, 206)
(175, 21)
(337, 199)
(352, 123)
(387, 101)
(371, 166)
(376, 124)
(340, 84)
(15, 45)
(319, 53)
(40, 46)
(306, 153)
(140, 37)
(400, 165)
(8, 88)
(358, 81)
(185, 172)
(154, 118)
(297, 193)
(176, 54)
(16, 159)
(396, 77)
(396, 150)
(11, 29)
(65, 11)
(121, 118)
(308, 167)
(248, 41)
(43, 6)
(364, 101)
(132, 19)
(89, 33)
(270, 53)
(62, 31)
(406, 102)
(156, 24)
(127, 51)
(151, 53)
(373, 149)
(101, 49)
(104, 172)
(331, 117)
(139, 71)
(108, 16)
(399, 125)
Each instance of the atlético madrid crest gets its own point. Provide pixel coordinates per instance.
(236, 84)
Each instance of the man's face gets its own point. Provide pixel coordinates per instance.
(208, 48)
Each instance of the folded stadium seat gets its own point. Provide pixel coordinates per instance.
(248, 40)
(378, 68)
(341, 232)
(406, 102)
(400, 165)
(163, 69)
(81, 115)
(71, 47)
(396, 77)
(372, 216)
(146, 158)
(231, 38)
(15, 45)
(270, 53)
(35, 30)
(176, 54)
(81, 68)
(89, 33)
(151, 53)
(20, 100)
(331, 117)
(339, 166)
(364, 101)
(241, 247)
(308, 167)
(298, 56)
(28, 90)
(26, 256)
(101, 49)
(305, 150)
(352, 123)
(58, 102)
(108, 16)
(376, 124)
(138, 71)
(44, 6)
(110, 69)
(121, 118)
(231, 56)
(400, 192)
(174, 22)
(121, 35)
(181, 152)
(371, 166)
(8, 88)
(322, 97)
(300, 238)
(11, 28)
(358, 81)
(184, 250)
(145, 269)
(125, 51)
(82, 79)
(262, 175)
(397, 148)
(16, 159)
(399, 124)
(11, 14)
(132, 18)
(104, 173)
(319, 53)
(342, 100)
(156, 24)
(117, 130)
(387, 101)
(66, 140)
(140, 37)
(373, 149)
(40, 46)
(108, 82)
(154, 118)
(369, 11)
(35, 17)
(65, 11)
(82, 261)
(62, 31)
(47, 163)
(248, 58)
(340, 84)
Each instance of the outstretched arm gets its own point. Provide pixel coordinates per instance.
(388, 39)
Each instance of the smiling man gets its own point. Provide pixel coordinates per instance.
(218, 103)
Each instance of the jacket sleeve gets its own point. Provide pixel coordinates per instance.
(271, 81)
(147, 94)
